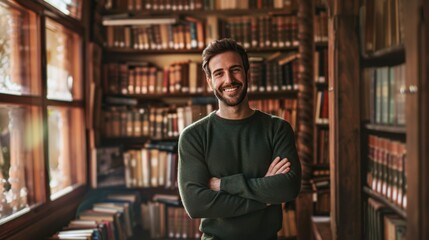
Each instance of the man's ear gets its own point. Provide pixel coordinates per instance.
(209, 82)
(249, 80)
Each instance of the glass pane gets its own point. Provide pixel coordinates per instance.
(19, 67)
(66, 149)
(68, 7)
(63, 54)
(21, 159)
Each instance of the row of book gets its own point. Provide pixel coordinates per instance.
(267, 31)
(157, 122)
(381, 24)
(385, 103)
(322, 107)
(321, 195)
(320, 173)
(386, 169)
(168, 221)
(165, 218)
(148, 34)
(171, 221)
(185, 5)
(321, 66)
(321, 27)
(263, 31)
(284, 108)
(144, 78)
(111, 217)
(277, 72)
(380, 222)
(322, 147)
(150, 166)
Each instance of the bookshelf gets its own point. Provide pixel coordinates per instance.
(384, 156)
(384, 138)
(151, 74)
(320, 170)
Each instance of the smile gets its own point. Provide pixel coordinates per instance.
(230, 89)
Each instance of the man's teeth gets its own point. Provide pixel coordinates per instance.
(229, 89)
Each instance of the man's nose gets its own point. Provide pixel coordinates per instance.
(228, 77)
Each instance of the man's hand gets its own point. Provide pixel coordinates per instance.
(278, 167)
(214, 184)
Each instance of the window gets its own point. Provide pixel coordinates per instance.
(21, 165)
(42, 127)
(68, 7)
(65, 126)
(63, 58)
(18, 41)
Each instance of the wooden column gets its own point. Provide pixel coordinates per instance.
(424, 120)
(305, 120)
(344, 119)
(415, 40)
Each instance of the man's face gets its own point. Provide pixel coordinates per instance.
(228, 78)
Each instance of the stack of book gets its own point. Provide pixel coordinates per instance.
(111, 217)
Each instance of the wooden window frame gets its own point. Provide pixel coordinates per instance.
(43, 219)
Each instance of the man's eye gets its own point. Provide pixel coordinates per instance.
(217, 74)
(236, 70)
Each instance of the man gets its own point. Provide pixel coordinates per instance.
(236, 165)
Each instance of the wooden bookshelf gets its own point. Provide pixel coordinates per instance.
(114, 53)
(344, 120)
(401, 212)
(350, 164)
(400, 130)
(389, 56)
(321, 194)
(164, 57)
(205, 12)
(207, 96)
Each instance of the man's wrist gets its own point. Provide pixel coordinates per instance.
(214, 184)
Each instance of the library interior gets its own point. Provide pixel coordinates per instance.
(100, 92)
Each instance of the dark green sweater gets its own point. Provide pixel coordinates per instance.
(238, 152)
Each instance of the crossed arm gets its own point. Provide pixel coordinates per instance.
(278, 166)
(235, 195)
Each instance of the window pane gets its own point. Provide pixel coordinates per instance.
(63, 54)
(21, 159)
(66, 149)
(68, 7)
(19, 67)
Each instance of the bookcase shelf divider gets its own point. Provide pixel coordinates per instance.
(371, 193)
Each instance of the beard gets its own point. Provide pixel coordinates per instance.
(234, 100)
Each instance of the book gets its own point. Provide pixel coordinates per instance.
(108, 167)
(288, 58)
(394, 227)
(169, 199)
(377, 211)
(123, 208)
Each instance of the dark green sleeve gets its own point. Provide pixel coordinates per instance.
(274, 189)
(193, 178)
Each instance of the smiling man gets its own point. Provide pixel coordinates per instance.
(236, 165)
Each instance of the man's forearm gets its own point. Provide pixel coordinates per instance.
(201, 202)
(278, 166)
(274, 189)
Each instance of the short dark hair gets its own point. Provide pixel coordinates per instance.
(220, 46)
